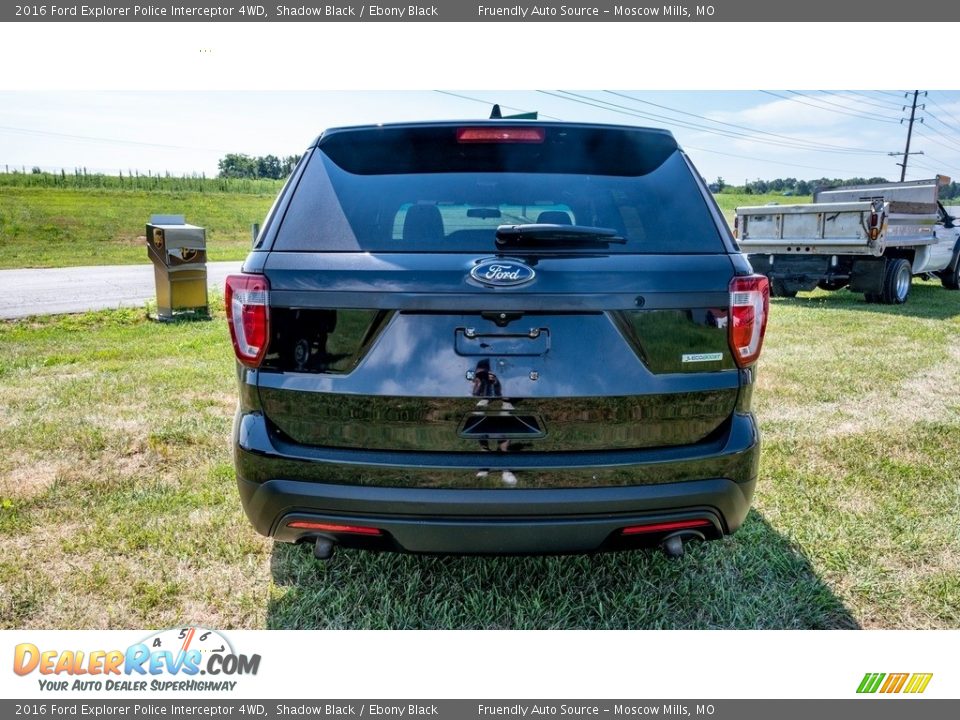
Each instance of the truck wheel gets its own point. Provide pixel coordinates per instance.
(778, 290)
(897, 279)
(951, 278)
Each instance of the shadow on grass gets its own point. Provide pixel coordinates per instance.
(755, 579)
(927, 300)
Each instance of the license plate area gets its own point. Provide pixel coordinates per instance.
(470, 343)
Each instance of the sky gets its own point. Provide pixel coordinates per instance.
(736, 135)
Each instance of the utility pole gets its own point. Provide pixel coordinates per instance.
(906, 151)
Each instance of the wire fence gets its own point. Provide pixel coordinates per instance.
(81, 179)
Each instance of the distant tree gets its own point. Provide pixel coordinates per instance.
(720, 184)
(237, 165)
(268, 166)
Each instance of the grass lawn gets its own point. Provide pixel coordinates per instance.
(729, 202)
(60, 227)
(119, 507)
(56, 227)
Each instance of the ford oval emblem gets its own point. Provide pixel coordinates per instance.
(502, 273)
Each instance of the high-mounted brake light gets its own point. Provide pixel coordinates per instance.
(749, 308)
(500, 135)
(334, 528)
(248, 315)
(665, 526)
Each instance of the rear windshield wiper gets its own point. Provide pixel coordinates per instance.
(556, 236)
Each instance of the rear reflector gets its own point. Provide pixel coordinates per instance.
(749, 307)
(247, 299)
(665, 526)
(334, 528)
(500, 135)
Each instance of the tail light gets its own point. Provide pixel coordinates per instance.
(874, 225)
(247, 299)
(749, 307)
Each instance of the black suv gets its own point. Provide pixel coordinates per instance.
(496, 337)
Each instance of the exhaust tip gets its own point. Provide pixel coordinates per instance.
(323, 548)
(673, 544)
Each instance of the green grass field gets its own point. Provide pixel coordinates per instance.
(119, 507)
(56, 227)
(47, 226)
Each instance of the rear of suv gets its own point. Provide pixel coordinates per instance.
(495, 337)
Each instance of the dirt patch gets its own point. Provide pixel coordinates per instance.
(929, 396)
(29, 478)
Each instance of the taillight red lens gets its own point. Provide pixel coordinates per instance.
(749, 308)
(335, 528)
(248, 314)
(665, 526)
(500, 135)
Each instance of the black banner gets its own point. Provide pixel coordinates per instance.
(856, 11)
(146, 709)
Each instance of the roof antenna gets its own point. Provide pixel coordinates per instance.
(495, 114)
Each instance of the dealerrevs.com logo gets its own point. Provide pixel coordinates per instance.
(181, 659)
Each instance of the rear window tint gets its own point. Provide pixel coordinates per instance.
(427, 199)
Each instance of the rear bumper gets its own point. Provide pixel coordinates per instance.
(280, 484)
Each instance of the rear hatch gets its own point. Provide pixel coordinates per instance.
(497, 287)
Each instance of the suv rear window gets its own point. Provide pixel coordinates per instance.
(419, 189)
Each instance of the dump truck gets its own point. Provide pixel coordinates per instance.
(872, 239)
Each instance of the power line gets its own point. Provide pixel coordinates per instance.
(926, 167)
(623, 110)
(763, 160)
(90, 138)
(943, 165)
(865, 99)
(948, 126)
(898, 103)
(902, 94)
(945, 111)
(490, 104)
(744, 127)
(865, 113)
(937, 142)
(824, 109)
(715, 152)
(953, 144)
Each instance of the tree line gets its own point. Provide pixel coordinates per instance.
(238, 165)
(792, 186)
(270, 167)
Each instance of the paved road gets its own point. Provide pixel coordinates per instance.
(78, 289)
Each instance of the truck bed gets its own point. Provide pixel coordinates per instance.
(836, 228)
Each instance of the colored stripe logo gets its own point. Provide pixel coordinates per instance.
(913, 683)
